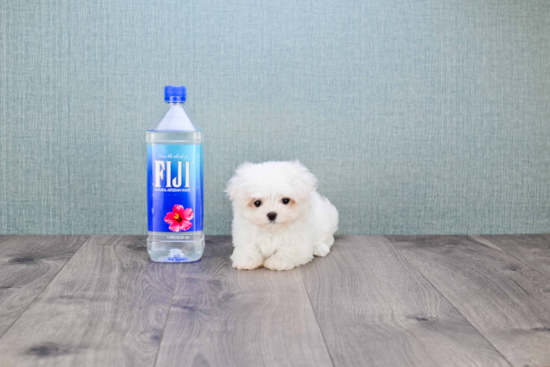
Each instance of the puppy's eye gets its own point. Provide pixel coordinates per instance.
(257, 203)
(286, 201)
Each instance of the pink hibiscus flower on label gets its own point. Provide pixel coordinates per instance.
(179, 218)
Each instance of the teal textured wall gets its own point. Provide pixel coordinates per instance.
(417, 116)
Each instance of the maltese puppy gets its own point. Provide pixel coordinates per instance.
(280, 221)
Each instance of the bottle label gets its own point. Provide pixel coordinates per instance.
(175, 188)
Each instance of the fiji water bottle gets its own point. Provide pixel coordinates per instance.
(174, 184)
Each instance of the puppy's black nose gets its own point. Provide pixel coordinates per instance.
(272, 216)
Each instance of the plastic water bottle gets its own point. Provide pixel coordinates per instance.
(175, 184)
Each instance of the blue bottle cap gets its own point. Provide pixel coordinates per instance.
(174, 93)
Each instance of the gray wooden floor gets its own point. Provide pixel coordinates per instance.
(373, 301)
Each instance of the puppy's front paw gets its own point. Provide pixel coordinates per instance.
(321, 250)
(247, 261)
(279, 263)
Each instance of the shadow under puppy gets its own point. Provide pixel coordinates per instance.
(280, 221)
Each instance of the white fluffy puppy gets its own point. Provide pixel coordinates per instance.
(279, 219)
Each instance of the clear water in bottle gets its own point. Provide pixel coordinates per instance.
(175, 184)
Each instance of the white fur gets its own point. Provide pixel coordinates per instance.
(303, 228)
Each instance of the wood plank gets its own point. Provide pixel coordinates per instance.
(501, 296)
(375, 309)
(27, 265)
(226, 317)
(532, 249)
(106, 307)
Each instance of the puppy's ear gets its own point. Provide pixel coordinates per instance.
(237, 183)
(304, 181)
